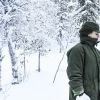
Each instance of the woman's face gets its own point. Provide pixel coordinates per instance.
(94, 34)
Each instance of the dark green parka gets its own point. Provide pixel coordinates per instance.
(84, 69)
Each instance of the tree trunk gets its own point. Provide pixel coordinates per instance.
(1, 58)
(39, 62)
(0, 77)
(12, 54)
(13, 60)
(24, 66)
(61, 46)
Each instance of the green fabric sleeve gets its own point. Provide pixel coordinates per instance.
(75, 69)
(78, 91)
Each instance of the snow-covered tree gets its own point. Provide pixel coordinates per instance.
(66, 26)
(42, 26)
(13, 14)
(73, 13)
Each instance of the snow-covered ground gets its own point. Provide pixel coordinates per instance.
(37, 85)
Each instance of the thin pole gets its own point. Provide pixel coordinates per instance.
(61, 60)
(58, 67)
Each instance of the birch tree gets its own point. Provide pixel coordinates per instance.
(11, 20)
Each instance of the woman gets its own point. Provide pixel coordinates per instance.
(84, 65)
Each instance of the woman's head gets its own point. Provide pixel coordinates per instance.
(90, 29)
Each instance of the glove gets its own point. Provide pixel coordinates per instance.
(83, 97)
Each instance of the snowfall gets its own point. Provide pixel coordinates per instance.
(36, 85)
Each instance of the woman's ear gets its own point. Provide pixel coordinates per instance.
(89, 35)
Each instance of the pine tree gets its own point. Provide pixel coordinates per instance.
(88, 12)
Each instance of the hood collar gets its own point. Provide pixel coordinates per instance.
(90, 41)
